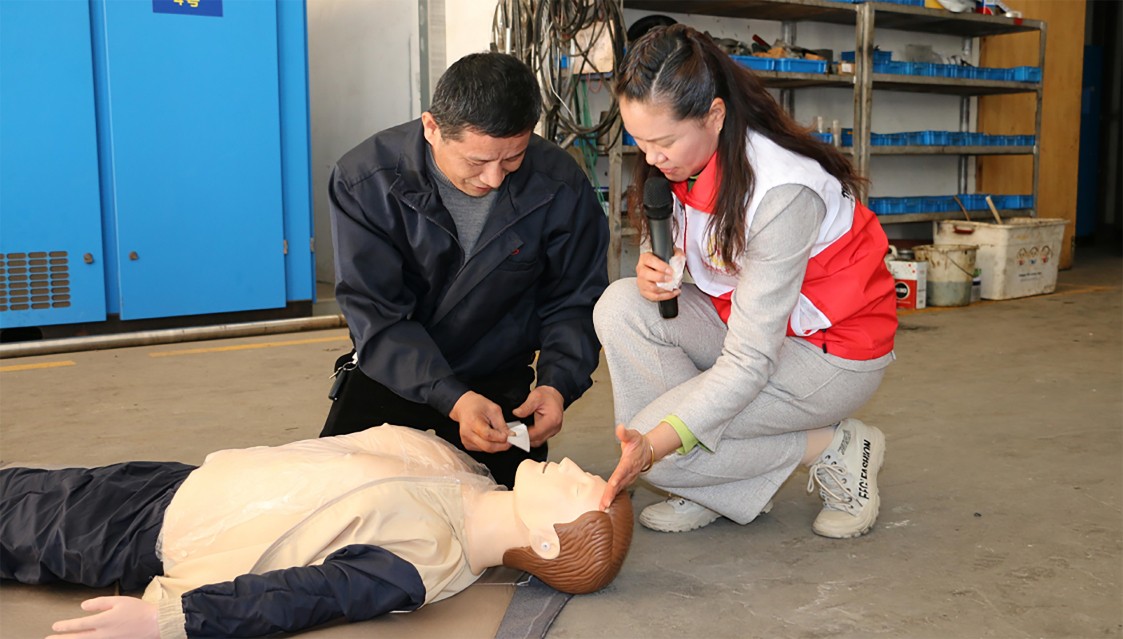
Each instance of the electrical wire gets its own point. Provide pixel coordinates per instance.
(558, 39)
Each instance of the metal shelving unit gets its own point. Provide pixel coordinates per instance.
(865, 17)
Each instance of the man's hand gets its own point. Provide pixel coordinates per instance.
(482, 426)
(547, 405)
(119, 618)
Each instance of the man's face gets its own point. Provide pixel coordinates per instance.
(475, 163)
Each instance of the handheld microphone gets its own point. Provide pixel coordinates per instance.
(657, 203)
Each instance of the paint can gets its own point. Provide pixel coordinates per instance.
(951, 270)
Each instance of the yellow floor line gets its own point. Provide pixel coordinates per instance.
(246, 347)
(29, 367)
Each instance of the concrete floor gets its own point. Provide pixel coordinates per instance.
(1001, 491)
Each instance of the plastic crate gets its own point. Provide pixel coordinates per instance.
(893, 68)
(755, 63)
(1018, 257)
(973, 201)
(878, 56)
(822, 137)
(797, 65)
(1025, 74)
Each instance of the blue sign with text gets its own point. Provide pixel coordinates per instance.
(189, 7)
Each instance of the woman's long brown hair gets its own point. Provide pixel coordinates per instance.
(683, 70)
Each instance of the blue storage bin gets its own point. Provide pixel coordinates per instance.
(797, 65)
(822, 137)
(755, 63)
(925, 69)
(1003, 202)
(878, 56)
(1026, 74)
(973, 201)
(894, 68)
(848, 137)
(930, 138)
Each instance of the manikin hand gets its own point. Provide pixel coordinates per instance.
(119, 618)
(649, 271)
(548, 406)
(634, 455)
(482, 426)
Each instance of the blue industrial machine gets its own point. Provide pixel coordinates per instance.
(155, 159)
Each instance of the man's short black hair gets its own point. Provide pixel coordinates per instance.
(491, 93)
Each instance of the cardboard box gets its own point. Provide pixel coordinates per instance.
(1018, 258)
(911, 282)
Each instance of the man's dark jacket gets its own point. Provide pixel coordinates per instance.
(422, 319)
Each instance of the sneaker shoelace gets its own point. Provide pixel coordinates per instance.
(833, 487)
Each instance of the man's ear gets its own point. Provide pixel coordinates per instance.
(545, 543)
(431, 130)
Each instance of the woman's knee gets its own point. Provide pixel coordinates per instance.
(617, 306)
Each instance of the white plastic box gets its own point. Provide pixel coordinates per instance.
(1018, 258)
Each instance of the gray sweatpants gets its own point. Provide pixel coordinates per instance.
(650, 357)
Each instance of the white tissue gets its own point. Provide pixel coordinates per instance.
(518, 435)
(677, 264)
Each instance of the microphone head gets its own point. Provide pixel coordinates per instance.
(657, 197)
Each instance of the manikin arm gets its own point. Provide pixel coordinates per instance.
(357, 582)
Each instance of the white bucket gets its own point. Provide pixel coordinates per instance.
(951, 268)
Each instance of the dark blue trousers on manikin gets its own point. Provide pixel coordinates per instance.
(89, 526)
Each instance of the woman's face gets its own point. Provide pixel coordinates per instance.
(678, 148)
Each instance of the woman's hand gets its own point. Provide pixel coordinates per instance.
(635, 457)
(651, 270)
(117, 618)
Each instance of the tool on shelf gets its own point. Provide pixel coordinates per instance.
(961, 207)
(994, 211)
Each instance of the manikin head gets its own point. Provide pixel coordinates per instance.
(574, 546)
(484, 109)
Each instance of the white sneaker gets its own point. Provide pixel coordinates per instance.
(846, 474)
(676, 515)
(680, 515)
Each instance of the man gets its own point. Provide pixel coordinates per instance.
(352, 526)
(464, 244)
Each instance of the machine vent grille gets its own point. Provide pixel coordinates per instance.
(34, 281)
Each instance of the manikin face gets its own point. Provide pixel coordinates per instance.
(547, 494)
(678, 148)
(475, 163)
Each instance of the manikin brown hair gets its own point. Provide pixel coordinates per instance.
(593, 548)
(683, 70)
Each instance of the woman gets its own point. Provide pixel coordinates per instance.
(788, 325)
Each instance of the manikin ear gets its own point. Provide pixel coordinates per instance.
(545, 543)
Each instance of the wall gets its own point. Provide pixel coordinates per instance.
(1060, 119)
(364, 71)
(467, 27)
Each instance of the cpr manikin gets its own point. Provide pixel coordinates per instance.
(269, 539)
